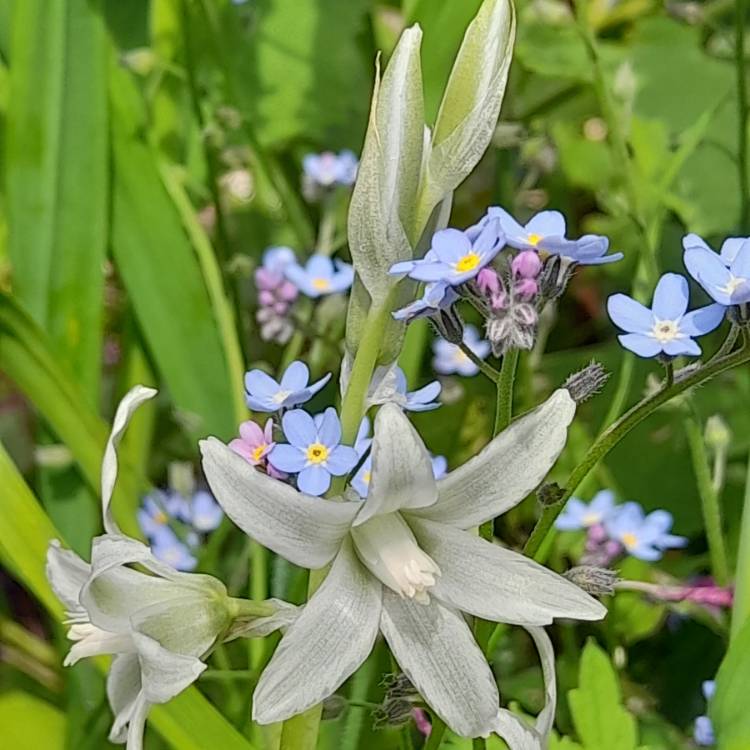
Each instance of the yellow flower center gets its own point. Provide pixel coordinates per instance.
(321, 284)
(160, 517)
(665, 330)
(317, 453)
(257, 453)
(468, 262)
(366, 477)
(629, 540)
(534, 239)
(591, 519)
(460, 356)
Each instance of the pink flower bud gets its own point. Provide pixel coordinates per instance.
(526, 288)
(287, 291)
(266, 298)
(280, 308)
(597, 533)
(265, 279)
(526, 265)
(488, 281)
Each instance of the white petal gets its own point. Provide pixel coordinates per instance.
(507, 469)
(305, 530)
(328, 642)
(138, 724)
(401, 468)
(497, 584)
(130, 402)
(437, 652)
(164, 674)
(546, 718)
(66, 573)
(123, 690)
(516, 733)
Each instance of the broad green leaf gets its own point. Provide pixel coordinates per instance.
(189, 722)
(381, 214)
(57, 162)
(162, 274)
(471, 103)
(30, 723)
(600, 719)
(553, 51)
(28, 360)
(728, 709)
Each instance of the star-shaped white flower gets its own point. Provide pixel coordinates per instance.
(405, 563)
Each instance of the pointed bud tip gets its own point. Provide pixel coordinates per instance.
(584, 384)
(593, 580)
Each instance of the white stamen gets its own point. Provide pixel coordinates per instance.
(666, 330)
(734, 283)
(280, 396)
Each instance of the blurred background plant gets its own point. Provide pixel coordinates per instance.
(154, 151)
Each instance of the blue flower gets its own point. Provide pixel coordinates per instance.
(436, 297)
(314, 452)
(450, 359)
(578, 515)
(725, 276)
(422, 399)
(328, 169)
(665, 328)
(265, 394)
(205, 513)
(153, 516)
(643, 536)
(453, 257)
(169, 549)
(546, 231)
(320, 276)
(708, 688)
(363, 440)
(703, 733)
(439, 466)
(276, 259)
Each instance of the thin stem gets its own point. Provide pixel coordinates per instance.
(668, 373)
(729, 342)
(741, 608)
(228, 675)
(742, 107)
(709, 500)
(617, 431)
(486, 369)
(505, 384)
(436, 735)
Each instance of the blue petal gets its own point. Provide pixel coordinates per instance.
(450, 245)
(490, 240)
(205, 512)
(329, 429)
(643, 346)
(603, 502)
(547, 224)
(295, 377)
(730, 248)
(319, 266)
(703, 320)
(301, 279)
(314, 480)
(402, 268)
(571, 519)
(341, 460)
(433, 271)
(259, 384)
(299, 428)
(265, 404)
(317, 385)
(646, 553)
(741, 263)
(681, 347)
(693, 240)
(670, 297)
(287, 458)
(705, 267)
(629, 314)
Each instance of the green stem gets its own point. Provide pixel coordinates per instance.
(617, 431)
(228, 675)
(258, 592)
(436, 735)
(729, 342)
(505, 383)
(485, 369)
(742, 107)
(741, 607)
(709, 500)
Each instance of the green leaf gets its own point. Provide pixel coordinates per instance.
(30, 723)
(728, 708)
(599, 717)
(188, 722)
(57, 172)
(471, 103)
(382, 208)
(162, 274)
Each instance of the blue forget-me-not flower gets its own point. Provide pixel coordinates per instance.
(643, 536)
(579, 515)
(265, 394)
(328, 168)
(667, 327)
(725, 276)
(449, 358)
(436, 297)
(320, 276)
(314, 451)
(703, 734)
(423, 399)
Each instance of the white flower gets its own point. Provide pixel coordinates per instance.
(159, 627)
(405, 564)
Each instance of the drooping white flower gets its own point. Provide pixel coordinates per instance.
(405, 564)
(159, 626)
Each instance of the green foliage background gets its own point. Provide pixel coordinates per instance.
(125, 257)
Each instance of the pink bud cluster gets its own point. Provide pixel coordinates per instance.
(275, 298)
(525, 269)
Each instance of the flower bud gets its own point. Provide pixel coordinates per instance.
(333, 707)
(593, 580)
(549, 494)
(586, 383)
(488, 282)
(526, 289)
(526, 265)
(717, 434)
(555, 276)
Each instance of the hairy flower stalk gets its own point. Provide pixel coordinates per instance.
(160, 625)
(405, 563)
